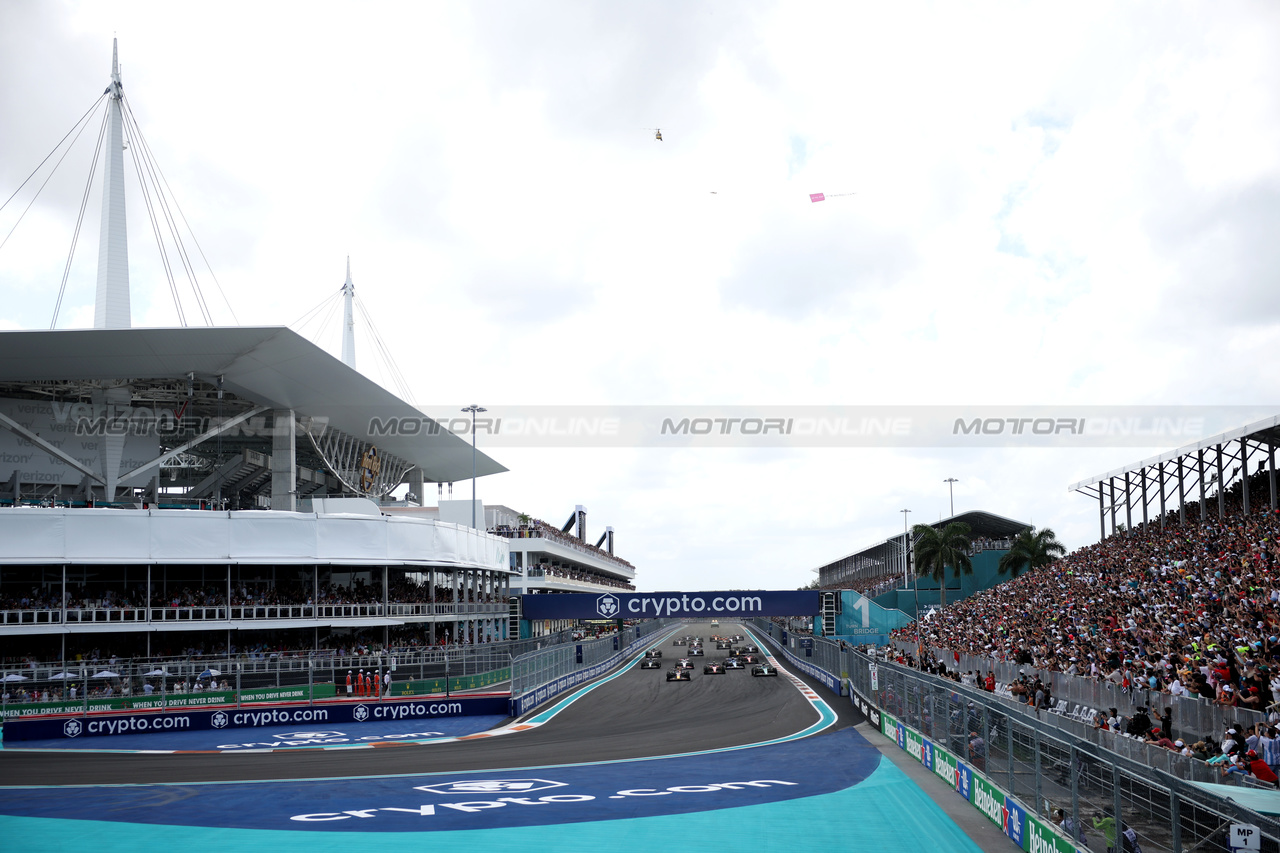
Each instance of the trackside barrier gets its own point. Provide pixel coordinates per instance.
(238, 718)
(173, 679)
(1040, 767)
(1024, 829)
(542, 675)
(1193, 716)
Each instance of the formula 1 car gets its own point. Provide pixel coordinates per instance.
(713, 669)
(680, 642)
(733, 663)
(653, 653)
(684, 663)
(696, 652)
(749, 649)
(724, 644)
(651, 663)
(749, 658)
(679, 674)
(764, 669)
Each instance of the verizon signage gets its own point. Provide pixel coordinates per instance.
(80, 430)
(670, 605)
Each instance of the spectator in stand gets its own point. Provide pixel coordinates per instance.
(1144, 608)
(1259, 769)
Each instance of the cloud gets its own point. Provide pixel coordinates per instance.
(796, 269)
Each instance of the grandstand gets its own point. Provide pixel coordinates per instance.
(213, 488)
(549, 559)
(1180, 610)
(884, 572)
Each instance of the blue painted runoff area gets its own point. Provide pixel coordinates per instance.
(284, 736)
(830, 792)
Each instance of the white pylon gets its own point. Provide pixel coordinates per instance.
(348, 321)
(111, 305)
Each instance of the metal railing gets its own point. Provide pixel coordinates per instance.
(245, 612)
(1050, 762)
(1194, 717)
(105, 685)
(539, 667)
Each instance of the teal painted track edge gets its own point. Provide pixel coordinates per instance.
(858, 817)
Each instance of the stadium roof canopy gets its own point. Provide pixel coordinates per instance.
(266, 365)
(1265, 431)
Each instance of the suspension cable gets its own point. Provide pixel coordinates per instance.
(162, 201)
(75, 236)
(55, 148)
(155, 230)
(165, 181)
(82, 124)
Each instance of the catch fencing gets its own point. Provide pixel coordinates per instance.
(1049, 762)
(101, 686)
(1194, 717)
(535, 669)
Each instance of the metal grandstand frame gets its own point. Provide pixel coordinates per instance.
(227, 396)
(1177, 472)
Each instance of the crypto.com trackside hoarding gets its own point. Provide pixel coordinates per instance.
(671, 605)
(94, 725)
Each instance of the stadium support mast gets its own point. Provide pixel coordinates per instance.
(348, 321)
(111, 306)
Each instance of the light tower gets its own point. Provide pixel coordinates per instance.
(111, 305)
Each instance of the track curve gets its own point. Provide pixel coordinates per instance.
(629, 715)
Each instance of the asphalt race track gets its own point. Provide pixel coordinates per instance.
(725, 762)
(638, 714)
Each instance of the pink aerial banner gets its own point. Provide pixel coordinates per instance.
(817, 197)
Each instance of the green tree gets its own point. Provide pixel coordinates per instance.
(813, 584)
(936, 550)
(1031, 549)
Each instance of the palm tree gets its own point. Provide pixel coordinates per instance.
(937, 549)
(1031, 549)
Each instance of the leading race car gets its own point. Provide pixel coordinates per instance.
(684, 663)
(653, 653)
(681, 641)
(713, 669)
(734, 663)
(651, 663)
(764, 669)
(679, 674)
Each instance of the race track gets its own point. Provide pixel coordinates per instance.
(721, 764)
(635, 714)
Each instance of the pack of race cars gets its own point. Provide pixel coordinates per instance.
(741, 655)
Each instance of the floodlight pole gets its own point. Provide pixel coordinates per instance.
(474, 410)
(905, 566)
(915, 587)
(950, 481)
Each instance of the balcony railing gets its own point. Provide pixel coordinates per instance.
(247, 613)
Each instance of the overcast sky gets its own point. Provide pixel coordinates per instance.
(1055, 204)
